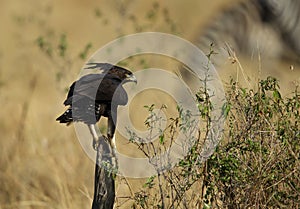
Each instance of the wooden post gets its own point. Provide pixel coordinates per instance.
(104, 188)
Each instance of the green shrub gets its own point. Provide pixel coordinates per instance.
(255, 165)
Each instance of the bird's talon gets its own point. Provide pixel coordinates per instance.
(106, 138)
(95, 144)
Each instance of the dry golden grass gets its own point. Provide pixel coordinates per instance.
(42, 163)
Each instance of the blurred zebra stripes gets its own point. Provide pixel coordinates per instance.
(268, 27)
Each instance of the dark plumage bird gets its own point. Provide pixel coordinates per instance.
(96, 95)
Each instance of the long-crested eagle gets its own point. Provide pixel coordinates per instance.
(95, 95)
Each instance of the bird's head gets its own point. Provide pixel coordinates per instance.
(124, 74)
(129, 77)
(115, 71)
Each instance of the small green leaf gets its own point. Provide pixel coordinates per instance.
(149, 183)
(276, 95)
(225, 109)
(161, 138)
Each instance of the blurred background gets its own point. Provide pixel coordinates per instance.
(43, 45)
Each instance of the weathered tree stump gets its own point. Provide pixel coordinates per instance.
(104, 188)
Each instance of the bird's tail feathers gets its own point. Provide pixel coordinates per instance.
(66, 117)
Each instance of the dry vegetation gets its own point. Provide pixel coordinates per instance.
(43, 45)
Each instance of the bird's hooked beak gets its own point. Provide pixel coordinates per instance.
(131, 78)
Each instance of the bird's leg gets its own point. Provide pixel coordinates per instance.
(113, 146)
(111, 127)
(92, 129)
(114, 150)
